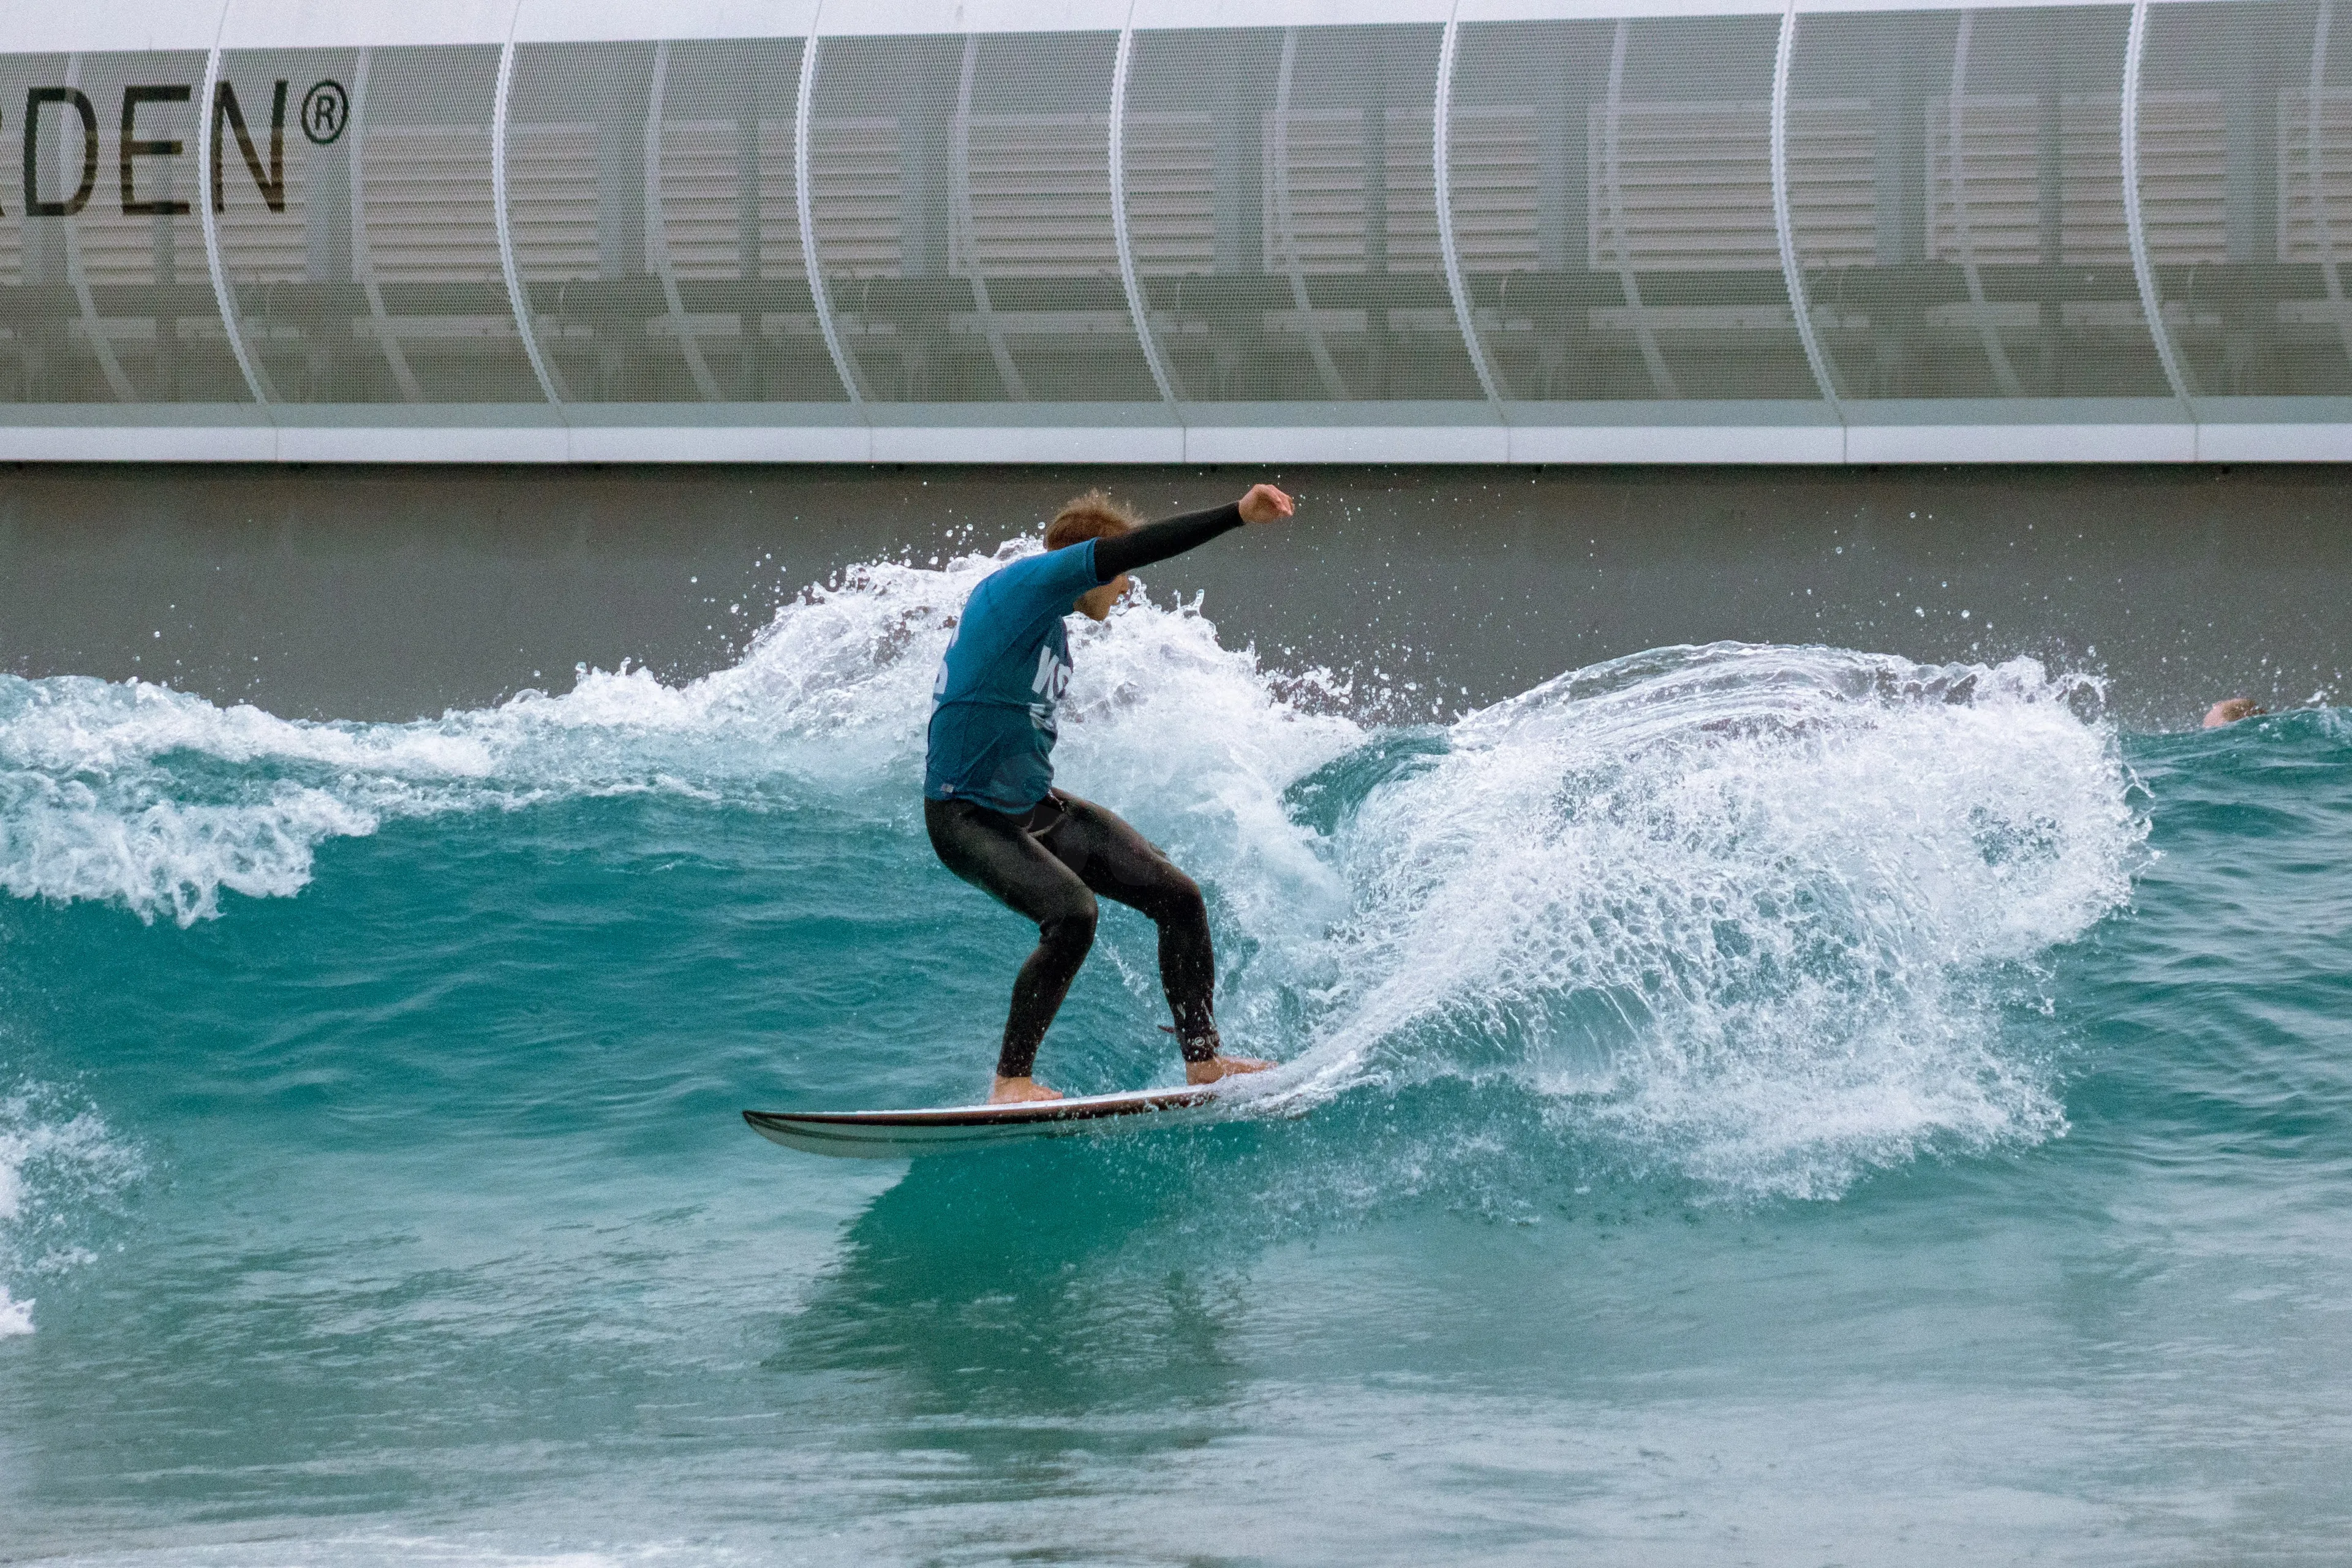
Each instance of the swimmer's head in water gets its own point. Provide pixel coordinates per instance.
(2230, 710)
(1093, 515)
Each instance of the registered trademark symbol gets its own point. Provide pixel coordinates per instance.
(325, 110)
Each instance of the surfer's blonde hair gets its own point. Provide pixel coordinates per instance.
(1092, 515)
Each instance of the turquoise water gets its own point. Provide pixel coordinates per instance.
(1740, 1104)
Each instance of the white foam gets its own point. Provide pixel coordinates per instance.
(159, 800)
(1744, 911)
(15, 1317)
(55, 1167)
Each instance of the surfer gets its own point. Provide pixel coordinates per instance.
(989, 802)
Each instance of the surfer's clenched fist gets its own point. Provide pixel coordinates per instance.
(1265, 504)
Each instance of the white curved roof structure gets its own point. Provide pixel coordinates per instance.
(1154, 232)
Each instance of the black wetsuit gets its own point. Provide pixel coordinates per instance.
(1053, 860)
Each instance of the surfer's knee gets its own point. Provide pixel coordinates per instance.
(1178, 900)
(1071, 929)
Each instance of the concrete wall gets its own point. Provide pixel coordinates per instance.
(368, 593)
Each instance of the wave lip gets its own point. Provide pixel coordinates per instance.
(159, 800)
(1747, 913)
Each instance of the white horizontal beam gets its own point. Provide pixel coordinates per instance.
(2053, 443)
(64, 27)
(829, 433)
(2234, 443)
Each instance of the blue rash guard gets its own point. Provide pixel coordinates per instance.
(1007, 667)
(992, 739)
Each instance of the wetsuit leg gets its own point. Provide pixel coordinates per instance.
(995, 854)
(1120, 864)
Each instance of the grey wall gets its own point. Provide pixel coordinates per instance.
(392, 593)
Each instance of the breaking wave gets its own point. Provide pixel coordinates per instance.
(1751, 914)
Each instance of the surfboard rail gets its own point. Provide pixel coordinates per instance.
(900, 1134)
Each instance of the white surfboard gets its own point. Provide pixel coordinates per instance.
(896, 1135)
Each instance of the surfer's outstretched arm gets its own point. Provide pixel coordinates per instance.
(1156, 542)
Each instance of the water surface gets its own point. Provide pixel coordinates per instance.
(1746, 1103)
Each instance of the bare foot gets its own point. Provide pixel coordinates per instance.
(1221, 1066)
(1020, 1090)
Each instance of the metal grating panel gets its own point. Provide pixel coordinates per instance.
(1955, 214)
(1172, 194)
(1522, 99)
(966, 238)
(113, 303)
(1197, 104)
(1318, 274)
(2003, 265)
(1353, 148)
(430, 306)
(2254, 304)
(1679, 210)
(283, 219)
(1695, 186)
(35, 304)
(1325, 276)
(722, 230)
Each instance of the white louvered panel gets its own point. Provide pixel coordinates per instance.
(1694, 183)
(2091, 231)
(1328, 211)
(551, 201)
(258, 246)
(2001, 169)
(701, 191)
(1170, 179)
(1496, 177)
(116, 250)
(119, 249)
(127, 249)
(2298, 229)
(429, 217)
(780, 213)
(12, 251)
(1412, 194)
(1832, 184)
(701, 209)
(2183, 166)
(1323, 155)
(857, 180)
(1040, 197)
(2184, 174)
